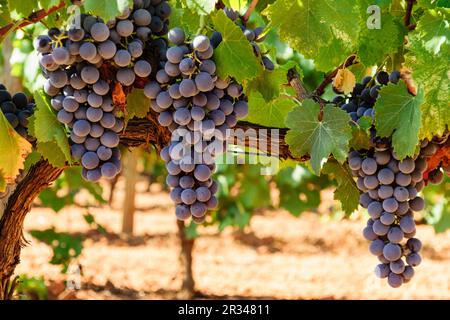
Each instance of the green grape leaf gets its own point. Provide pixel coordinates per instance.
(138, 105)
(319, 139)
(201, 7)
(237, 5)
(13, 150)
(32, 159)
(271, 114)
(234, 56)
(434, 3)
(332, 55)
(107, 9)
(52, 152)
(46, 4)
(397, 113)
(310, 25)
(269, 83)
(428, 59)
(23, 8)
(433, 30)
(346, 192)
(360, 139)
(46, 128)
(185, 19)
(374, 44)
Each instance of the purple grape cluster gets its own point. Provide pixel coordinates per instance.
(389, 188)
(81, 93)
(254, 36)
(17, 109)
(362, 100)
(198, 108)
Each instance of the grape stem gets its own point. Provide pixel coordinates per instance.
(408, 15)
(250, 9)
(31, 19)
(329, 78)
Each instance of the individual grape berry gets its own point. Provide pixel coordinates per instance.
(382, 270)
(413, 259)
(397, 267)
(369, 166)
(376, 247)
(392, 252)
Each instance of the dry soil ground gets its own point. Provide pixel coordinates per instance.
(278, 257)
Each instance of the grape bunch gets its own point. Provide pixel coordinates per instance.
(365, 94)
(83, 65)
(389, 188)
(254, 36)
(17, 109)
(198, 108)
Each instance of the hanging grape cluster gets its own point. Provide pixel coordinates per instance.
(389, 189)
(198, 108)
(82, 66)
(17, 109)
(254, 36)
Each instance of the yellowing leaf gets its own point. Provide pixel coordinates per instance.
(138, 105)
(13, 150)
(344, 81)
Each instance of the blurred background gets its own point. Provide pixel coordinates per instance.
(273, 237)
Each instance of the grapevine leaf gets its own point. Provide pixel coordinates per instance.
(186, 19)
(436, 109)
(319, 139)
(234, 56)
(434, 3)
(32, 159)
(107, 9)
(237, 5)
(46, 4)
(346, 192)
(344, 81)
(428, 59)
(272, 113)
(268, 83)
(52, 152)
(360, 139)
(397, 113)
(23, 8)
(201, 7)
(138, 105)
(332, 55)
(433, 29)
(374, 44)
(46, 128)
(13, 150)
(309, 25)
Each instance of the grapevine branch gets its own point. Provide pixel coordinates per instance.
(408, 15)
(329, 78)
(32, 18)
(250, 9)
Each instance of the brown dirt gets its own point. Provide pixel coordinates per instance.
(278, 257)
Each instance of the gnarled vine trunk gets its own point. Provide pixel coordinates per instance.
(11, 224)
(187, 246)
